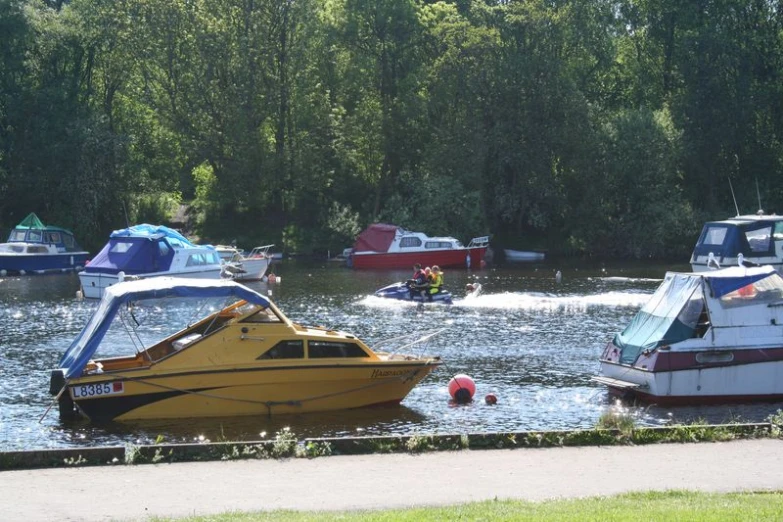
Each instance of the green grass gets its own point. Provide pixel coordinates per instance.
(635, 507)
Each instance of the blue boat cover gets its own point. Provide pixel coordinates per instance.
(175, 239)
(726, 281)
(672, 313)
(750, 237)
(141, 249)
(84, 346)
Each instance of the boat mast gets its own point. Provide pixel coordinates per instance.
(733, 197)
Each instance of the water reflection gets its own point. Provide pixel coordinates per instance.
(532, 342)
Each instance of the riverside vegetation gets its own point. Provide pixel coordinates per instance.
(592, 127)
(612, 429)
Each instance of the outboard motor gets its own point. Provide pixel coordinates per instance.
(56, 385)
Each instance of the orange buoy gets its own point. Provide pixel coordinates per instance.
(491, 399)
(462, 388)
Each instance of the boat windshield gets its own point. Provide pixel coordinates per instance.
(767, 290)
(671, 315)
(263, 315)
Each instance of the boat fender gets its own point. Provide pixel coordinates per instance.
(64, 400)
(56, 382)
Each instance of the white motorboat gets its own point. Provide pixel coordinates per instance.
(707, 337)
(523, 256)
(250, 267)
(144, 251)
(757, 239)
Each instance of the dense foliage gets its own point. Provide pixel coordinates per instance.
(592, 127)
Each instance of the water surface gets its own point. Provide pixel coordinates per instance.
(532, 342)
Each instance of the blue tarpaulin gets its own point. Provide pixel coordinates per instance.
(84, 346)
(140, 249)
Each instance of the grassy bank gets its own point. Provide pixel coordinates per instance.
(658, 506)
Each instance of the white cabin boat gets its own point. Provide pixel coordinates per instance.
(756, 239)
(250, 267)
(708, 337)
(144, 251)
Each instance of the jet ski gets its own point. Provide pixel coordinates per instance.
(403, 292)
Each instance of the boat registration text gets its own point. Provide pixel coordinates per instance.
(379, 374)
(97, 389)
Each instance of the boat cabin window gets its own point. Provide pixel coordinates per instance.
(163, 249)
(778, 233)
(438, 244)
(36, 249)
(325, 349)
(34, 236)
(759, 239)
(68, 241)
(263, 315)
(53, 237)
(196, 260)
(16, 248)
(714, 236)
(17, 235)
(410, 242)
(120, 247)
(284, 350)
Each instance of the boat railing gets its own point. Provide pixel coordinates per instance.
(405, 342)
(479, 242)
(260, 251)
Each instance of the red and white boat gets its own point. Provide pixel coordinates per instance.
(390, 246)
(707, 337)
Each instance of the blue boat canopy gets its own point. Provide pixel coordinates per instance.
(174, 238)
(751, 236)
(84, 346)
(142, 249)
(672, 313)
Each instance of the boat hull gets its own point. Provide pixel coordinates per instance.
(251, 269)
(93, 283)
(523, 256)
(249, 391)
(704, 384)
(42, 263)
(463, 258)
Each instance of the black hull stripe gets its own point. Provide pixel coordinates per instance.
(108, 408)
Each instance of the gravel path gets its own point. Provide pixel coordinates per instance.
(385, 481)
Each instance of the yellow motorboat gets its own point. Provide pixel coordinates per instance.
(246, 358)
